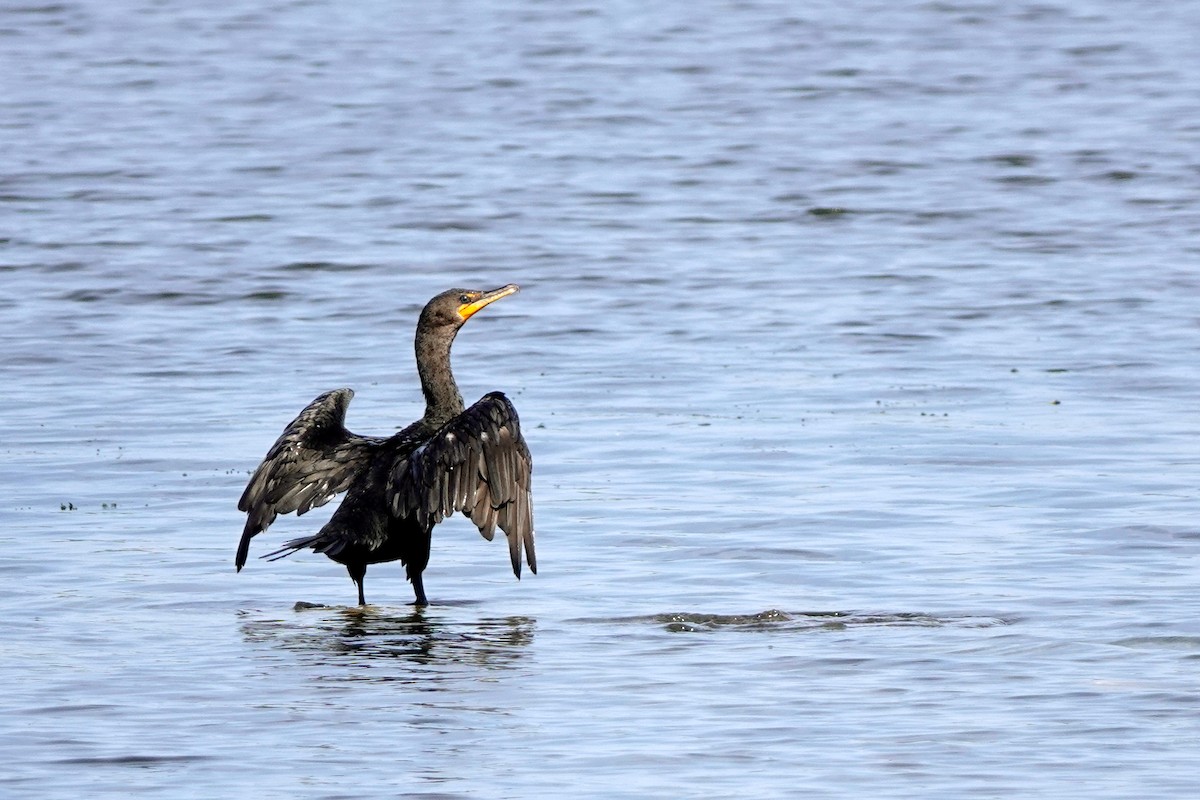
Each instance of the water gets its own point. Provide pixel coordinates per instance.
(856, 350)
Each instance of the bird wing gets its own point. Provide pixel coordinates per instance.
(479, 464)
(314, 459)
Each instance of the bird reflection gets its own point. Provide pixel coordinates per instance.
(420, 643)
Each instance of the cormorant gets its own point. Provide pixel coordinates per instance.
(397, 488)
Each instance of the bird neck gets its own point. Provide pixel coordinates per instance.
(442, 398)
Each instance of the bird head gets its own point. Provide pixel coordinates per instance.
(453, 307)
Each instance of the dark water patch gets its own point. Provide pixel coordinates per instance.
(72, 175)
(555, 51)
(885, 167)
(107, 195)
(385, 201)
(698, 220)
(323, 266)
(504, 83)
(620, 120)
(898, 337)
(263, 169)
(1025, 180)
(267, 295)
(245, 218)
(1190, 644)
(1011, 159)
(792, 622)
(828, 212)
(938, 215)
(61, 266)
(1084, 51)
(49, 8)
(173, 297)
(895, 277)
(78, 708)
(166, 374)
(1031, 241)
(89, 295)
(129, 62)
(788, 553)
(439, 225)
(129, 760)
(613, 198)
(767, 219)
(1132, 534)
(163, 297)
(570, 333)
(841, 72)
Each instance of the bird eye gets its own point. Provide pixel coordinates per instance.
(464, 298)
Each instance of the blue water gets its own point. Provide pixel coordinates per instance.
(856, 348)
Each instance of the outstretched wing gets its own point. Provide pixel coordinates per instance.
(479, 464)
(314, 459)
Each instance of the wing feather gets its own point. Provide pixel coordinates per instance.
(477, 464)
(314, 460)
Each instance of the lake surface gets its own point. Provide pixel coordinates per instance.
(857, 349)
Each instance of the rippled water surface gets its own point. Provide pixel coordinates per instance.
(857, 350)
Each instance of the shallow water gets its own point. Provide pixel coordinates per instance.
(856, 349)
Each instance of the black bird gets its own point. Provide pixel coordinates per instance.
(397, 488)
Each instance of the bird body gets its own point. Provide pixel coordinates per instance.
(472, 460)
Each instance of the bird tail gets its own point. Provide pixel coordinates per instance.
(321, 542)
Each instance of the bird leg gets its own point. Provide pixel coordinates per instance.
(418, 587)
(357, 573)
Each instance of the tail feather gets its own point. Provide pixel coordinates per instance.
(295, 545)
(530, 556)
(243, 552)
(325, 541)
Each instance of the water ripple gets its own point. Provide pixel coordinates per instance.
(799, 621)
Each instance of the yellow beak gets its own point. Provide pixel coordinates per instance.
(467, 310)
